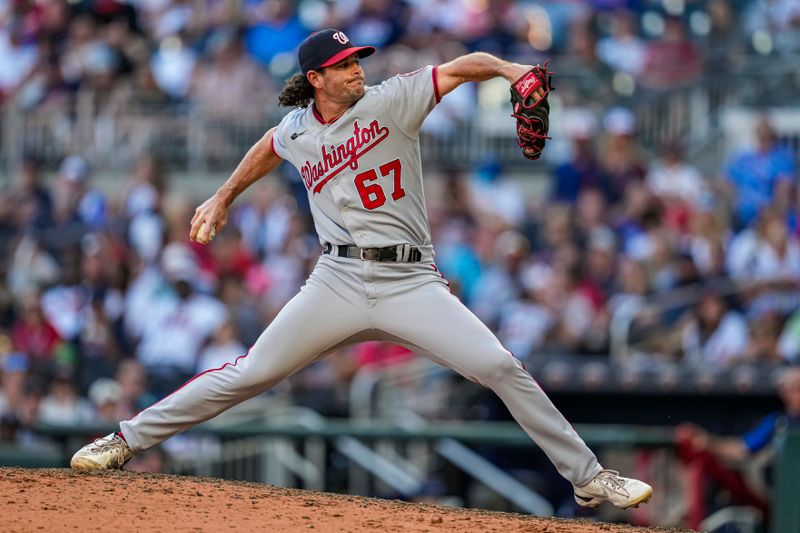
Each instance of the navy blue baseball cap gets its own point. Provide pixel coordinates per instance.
(327, 47)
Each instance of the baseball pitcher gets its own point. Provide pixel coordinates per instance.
(357, 150)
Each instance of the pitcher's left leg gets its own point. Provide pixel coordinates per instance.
(430, 317)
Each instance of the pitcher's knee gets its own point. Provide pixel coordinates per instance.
(262, 379)
(496, 367)
(247, 379)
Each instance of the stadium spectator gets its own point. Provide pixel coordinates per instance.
(265, 220)
(105, 395)
(590, 215)
(623, 50)
(145, 189)
(65, 303)
(592, 82)
(639, 222)
(724, 46)
(26, 204)
(499, 285)
(173, 65)
(275, 29)
(14, 405)
(715, 335)
(706, 456)
(33, 335)
(679, 185)
(179, 321)
(621, 158)
(780, 19)
(708, 237)
(524, 324)
(495, 197)
(381, 22)
(672, 60)
(225, 78)
(134, 393)
(600, 260)
(18, 53)
(224, 347)
(759, 176)
(63, 405)
(453, 226)
(763, 348)
(143, 202)
(582, 169)
(78, 206)
(632, 289)
(575, 306)
(767, 261)
(245, 306)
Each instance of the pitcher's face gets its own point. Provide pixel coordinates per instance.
(342, 82)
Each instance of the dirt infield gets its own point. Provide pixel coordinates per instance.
(64, 500)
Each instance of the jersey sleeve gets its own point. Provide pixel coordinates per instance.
(410, 97)
(279, 141)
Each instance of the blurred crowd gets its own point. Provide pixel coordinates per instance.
(105, 306)
(143, 53)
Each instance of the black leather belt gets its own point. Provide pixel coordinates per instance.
(402, 253)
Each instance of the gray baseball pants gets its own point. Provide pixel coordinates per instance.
(349, 300)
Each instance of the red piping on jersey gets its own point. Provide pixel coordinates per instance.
(235, 362)
(435, 76)
(442, 276)
(272, 145)
(319, 117)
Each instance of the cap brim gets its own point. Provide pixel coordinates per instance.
(362, 51)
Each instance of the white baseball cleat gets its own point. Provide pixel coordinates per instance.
(609, 486)
(109, 452)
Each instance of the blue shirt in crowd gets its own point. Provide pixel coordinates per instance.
(754, 175)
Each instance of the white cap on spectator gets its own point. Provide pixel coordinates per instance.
(103, 391)
(580, 123)
(619, 121)
(74, 168)
(179, 263)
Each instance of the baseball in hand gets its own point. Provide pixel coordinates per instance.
(206, 233)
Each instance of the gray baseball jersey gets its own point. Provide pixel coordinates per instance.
(363, 171)
(364, 179)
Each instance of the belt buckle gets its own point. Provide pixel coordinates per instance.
(369, 254)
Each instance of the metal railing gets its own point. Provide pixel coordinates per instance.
(369, 390)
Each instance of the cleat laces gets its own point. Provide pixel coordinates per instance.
(611, 477)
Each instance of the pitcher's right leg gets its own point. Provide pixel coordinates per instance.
(315, 320)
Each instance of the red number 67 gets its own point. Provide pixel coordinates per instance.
(372, 195)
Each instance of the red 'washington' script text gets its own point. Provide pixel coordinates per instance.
(336, 158)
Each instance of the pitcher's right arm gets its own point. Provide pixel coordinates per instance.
(212, 215)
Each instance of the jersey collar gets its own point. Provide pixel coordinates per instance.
(320, 119)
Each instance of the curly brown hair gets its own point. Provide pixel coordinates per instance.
(298, 92)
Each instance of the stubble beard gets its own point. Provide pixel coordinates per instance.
(350, 96)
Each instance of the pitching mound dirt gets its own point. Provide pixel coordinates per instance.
(64, 500)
